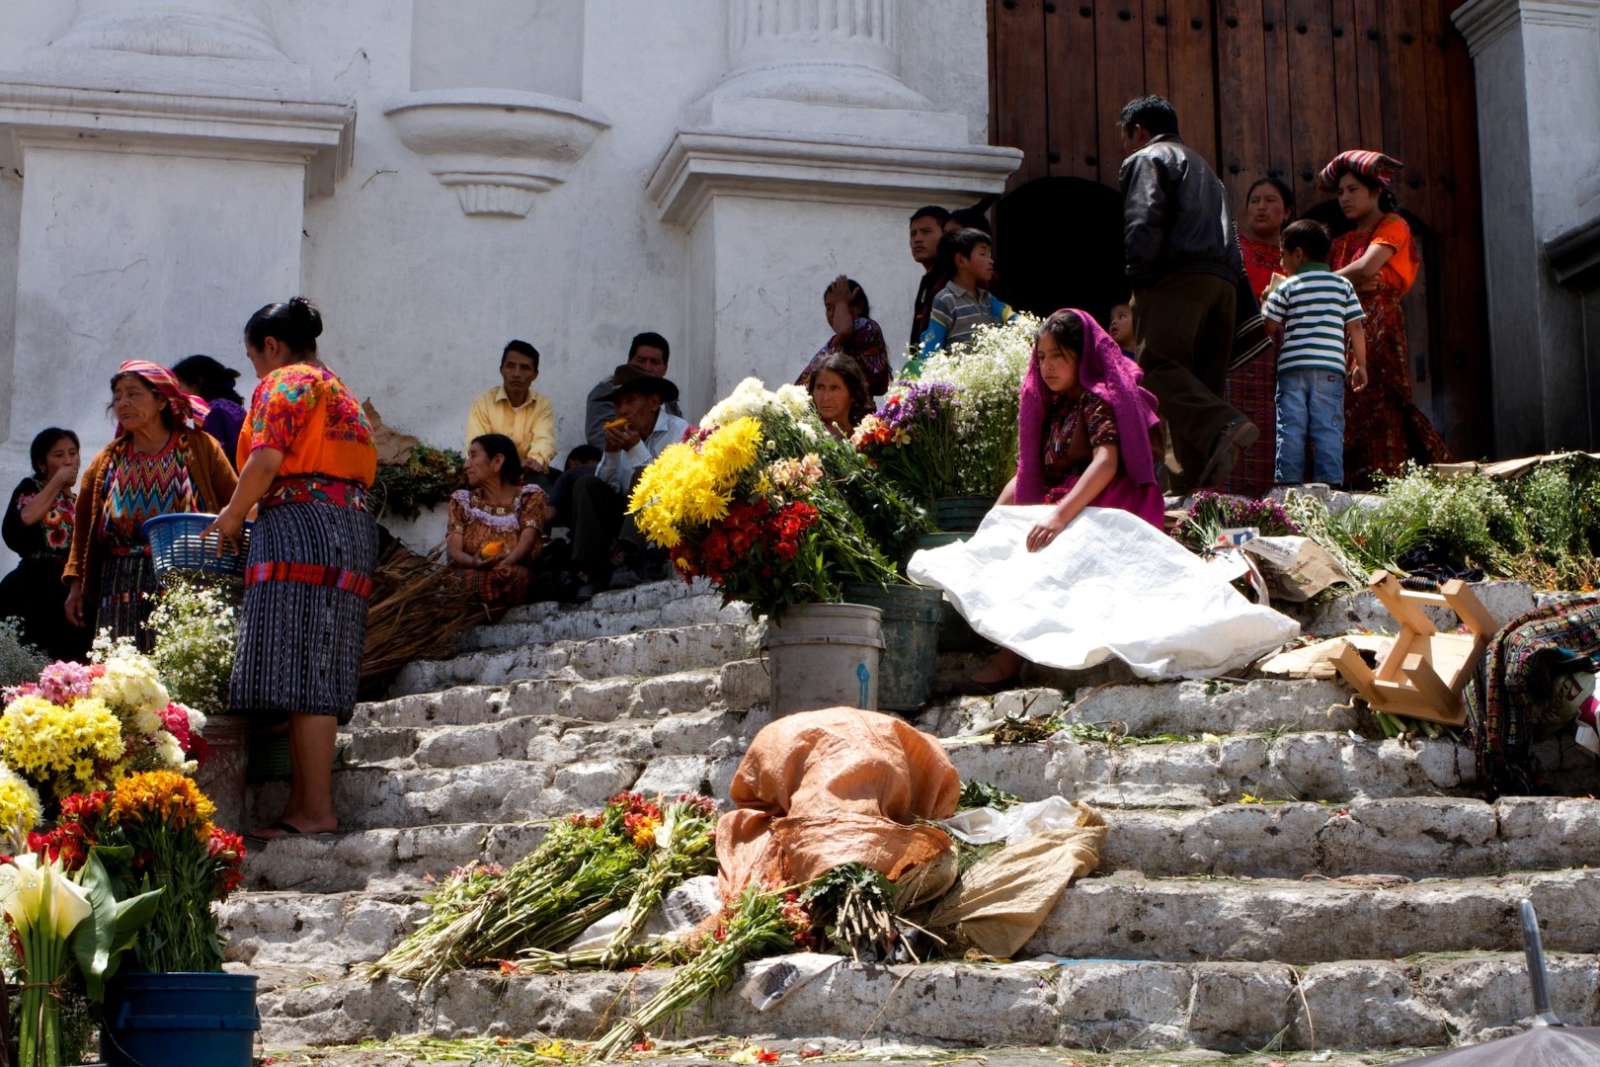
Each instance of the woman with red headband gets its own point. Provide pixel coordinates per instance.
(161, 463)
(1383, 427)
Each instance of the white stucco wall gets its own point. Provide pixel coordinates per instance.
(418, 296)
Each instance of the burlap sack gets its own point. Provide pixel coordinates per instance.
(823, 788)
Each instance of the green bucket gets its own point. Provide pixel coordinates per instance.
(954, 633)
(961, 514)
(269, 758)
(912, 615)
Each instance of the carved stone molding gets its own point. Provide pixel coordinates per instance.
(321, 136)
(497, 148)
(1482, 22)
(834, 52)
(218, 29)
(700, 164)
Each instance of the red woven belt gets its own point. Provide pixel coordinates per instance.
(310, 574)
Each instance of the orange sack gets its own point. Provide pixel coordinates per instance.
(823, 788)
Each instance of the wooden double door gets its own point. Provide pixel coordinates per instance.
(1262, 87)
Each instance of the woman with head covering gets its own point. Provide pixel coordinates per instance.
(496, 525)
(38, 528)
(308, 462)
(1383, 428)
(160, 463)
(1084, 432)
(214, 383)
(838, 393)
(1252, 386)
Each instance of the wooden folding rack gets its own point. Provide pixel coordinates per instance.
(1424, 673)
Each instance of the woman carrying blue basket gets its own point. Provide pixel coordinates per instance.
(307, 459)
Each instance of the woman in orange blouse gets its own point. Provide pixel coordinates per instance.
(1383, 427)
(306, 461)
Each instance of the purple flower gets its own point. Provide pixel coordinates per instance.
(920, 405)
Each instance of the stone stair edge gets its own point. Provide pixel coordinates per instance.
(1229, 1007)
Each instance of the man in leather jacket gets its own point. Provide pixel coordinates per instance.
(1184, 264)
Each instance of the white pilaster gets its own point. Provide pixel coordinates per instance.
(804, 161)
(1537, 66)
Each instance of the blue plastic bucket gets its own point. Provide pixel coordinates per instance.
(180, 1017)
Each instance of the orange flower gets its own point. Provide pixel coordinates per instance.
(162, 796)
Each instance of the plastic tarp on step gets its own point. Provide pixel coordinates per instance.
(819, 789)
(998, 904)
(1110, 585)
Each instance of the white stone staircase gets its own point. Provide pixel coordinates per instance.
(1368, 903)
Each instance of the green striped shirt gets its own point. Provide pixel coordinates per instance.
(1314, 307)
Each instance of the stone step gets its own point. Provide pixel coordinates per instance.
(643, 654)
(1410, 837)
(1101, 1004)
(650, 596)
(581, 624)
(1124, 915)
(1334, 767)
(1362, 610)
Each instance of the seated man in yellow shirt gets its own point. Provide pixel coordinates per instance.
(514, 409)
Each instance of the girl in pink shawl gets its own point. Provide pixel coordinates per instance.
(1083, 440)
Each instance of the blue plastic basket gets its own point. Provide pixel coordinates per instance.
(177, 547)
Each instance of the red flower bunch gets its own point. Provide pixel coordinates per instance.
(227, 849)
(787, 525)
(798, 916)
(175, 720)
(731, 540)
(70, 841)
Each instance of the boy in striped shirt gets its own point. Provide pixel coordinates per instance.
(1314, 315)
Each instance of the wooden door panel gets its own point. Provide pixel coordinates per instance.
(1020, 80)
(1346, 31)
(1073, 102)
(1280, 101)
(1242, 94)
(1157, 47)
(1190, 72)
(1309, 37)
(1119, 56)
(1369, 74)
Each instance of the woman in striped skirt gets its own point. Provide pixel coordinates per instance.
(307, 459)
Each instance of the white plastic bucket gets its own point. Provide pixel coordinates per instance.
(825, 656)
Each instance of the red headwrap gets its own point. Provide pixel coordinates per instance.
(1104, 371)
(1374, 166)
(187, 407)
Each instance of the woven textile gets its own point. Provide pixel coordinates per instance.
(127, 590)
(142, 485)
(1508, 698)
(300, 643)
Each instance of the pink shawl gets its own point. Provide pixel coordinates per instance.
(1104, 371)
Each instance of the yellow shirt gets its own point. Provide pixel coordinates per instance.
(532, 426)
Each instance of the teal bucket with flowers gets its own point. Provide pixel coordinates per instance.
(961, 514)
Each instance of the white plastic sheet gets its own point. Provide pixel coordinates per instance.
(1110, 585)
(985, 826)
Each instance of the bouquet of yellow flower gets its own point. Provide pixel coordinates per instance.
(81, 727)
(759, 501)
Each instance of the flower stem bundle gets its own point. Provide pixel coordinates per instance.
(761, 922)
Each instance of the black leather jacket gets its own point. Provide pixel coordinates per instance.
(1175, 215)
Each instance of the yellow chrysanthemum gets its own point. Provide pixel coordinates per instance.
(160, 796)
(39, 739)
(687, 487)
(20, 808)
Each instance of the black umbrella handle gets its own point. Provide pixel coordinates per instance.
(1533, 945)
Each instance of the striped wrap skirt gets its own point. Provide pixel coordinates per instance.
(304, 620)
(127, 595)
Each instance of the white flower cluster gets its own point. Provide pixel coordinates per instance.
(196, 634)
(987, 372)
(130, 684)
(751, 399)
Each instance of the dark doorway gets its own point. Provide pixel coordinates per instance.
(1059, 244)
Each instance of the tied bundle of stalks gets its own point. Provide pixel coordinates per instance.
(584, 869)
(855, 904)
(760, 923)
(416, 612)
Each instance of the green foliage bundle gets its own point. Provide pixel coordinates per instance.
(426, 479)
